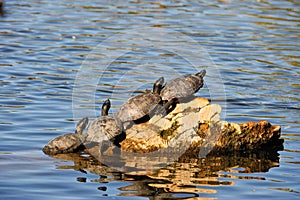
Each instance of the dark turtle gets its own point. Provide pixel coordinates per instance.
(141, 105)
(67, 143)
(104, 126)
(182, 86)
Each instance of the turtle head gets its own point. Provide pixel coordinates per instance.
(158, 85)
(105, 107)
(201, 74)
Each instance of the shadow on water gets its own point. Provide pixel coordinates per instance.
(188, 177)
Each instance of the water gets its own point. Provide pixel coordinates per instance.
(53, 73)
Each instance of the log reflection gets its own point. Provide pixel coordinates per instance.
(189, 176)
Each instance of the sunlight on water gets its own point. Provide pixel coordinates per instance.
(250, 45)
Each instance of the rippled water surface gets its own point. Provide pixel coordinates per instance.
(60, 59)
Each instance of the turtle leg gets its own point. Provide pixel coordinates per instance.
(141, 120)
(170, 105)
(166, 107)
(119, 138)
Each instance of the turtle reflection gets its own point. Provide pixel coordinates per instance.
(190, 176)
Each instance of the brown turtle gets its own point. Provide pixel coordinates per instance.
(182, 86)
(104, 127)
(67, 143)
(140, 106)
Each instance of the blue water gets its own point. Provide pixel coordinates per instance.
(60, 59)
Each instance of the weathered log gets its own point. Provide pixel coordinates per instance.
(196, 126)
(232, 137)
(161, 132)
(245, 136)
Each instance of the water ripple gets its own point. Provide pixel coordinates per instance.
(44, 44)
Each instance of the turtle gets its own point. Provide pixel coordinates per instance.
(105, 125)
(182, 86)
(139, 107)
(67, 143)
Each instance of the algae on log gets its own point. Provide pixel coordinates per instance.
(196, 126)
(248, 136)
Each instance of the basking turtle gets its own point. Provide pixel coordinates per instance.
(140, 106)
(67, 143)
(182, 86)
(104, 126)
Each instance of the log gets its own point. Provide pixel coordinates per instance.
(195, 126)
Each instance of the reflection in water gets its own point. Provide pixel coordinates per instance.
(1, 8)
(188, 177)
(43, 44)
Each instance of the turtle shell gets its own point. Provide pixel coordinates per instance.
(66, 143)
(104, 127)
(181, 87)
(138, 106)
